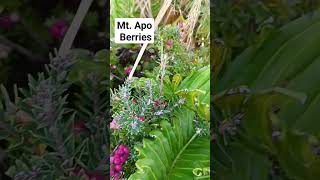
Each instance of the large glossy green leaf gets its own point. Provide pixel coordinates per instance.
(238, 162)
(199, 80)
(175, 152)
(290, 58)
(296, 156)
(196, 89)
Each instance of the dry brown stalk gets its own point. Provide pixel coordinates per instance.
(166, 4)
(192, 19)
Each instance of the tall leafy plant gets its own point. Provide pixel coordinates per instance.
(179, 149)
(261, 120)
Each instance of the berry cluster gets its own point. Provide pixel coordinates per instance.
(119, 157)
(58, 29)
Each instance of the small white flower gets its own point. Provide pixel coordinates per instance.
(134, 125)
(198, 130)
(182, 101)
(158, 113)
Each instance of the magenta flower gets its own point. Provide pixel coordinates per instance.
(5, 21)
(113, 67)
(79, 126)
(114, 125)
(180, 24)
(170, 44)
(119, 157)
(14, 17)
(128, 70)
(58, 29)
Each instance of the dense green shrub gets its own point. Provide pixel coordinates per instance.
(266, 107)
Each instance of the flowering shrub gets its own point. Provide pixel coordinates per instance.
(58, 29)
(136, 104)
(8, 20)
(137, 109)
(119, 157)
(162, 111)
(53, 121)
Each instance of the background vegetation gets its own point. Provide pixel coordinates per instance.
(265, 90)
(53, 105)
(160, 118)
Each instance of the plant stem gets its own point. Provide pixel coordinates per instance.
(22, 50)
(34, 35)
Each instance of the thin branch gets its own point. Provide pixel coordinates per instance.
(34, 35)
(22, 50)
(117, 77)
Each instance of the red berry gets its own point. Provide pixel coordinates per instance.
(79, 126)
(126, 156)
(170, 44)
(120, 152)
(117, 161)
(134, 101)
(112, 172)
(5, 21)
(141, 118)
(58, 29)
(116, 176)
(125, 150)
(118, 168)
(127, 71)
(123, 160)
(157, 103)
(122, 146)
(116, 156)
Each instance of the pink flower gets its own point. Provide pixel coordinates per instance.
(118, 168)
(170, 44)
(8, 20)
(5, 21)
(14, 17)
(180, 24)
(114, 125)
(58, 29)
(128, 70)
(113, 67)
(134, 101)
(79, 126)
(134, 125)
(157, 103)
(119, 157)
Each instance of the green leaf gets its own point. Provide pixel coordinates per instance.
(239, 162)
(196, 89)
(286, 63)
(290, 59)
(175, 151)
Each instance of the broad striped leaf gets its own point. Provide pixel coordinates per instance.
(175, 152)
